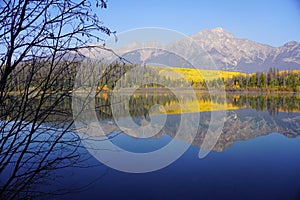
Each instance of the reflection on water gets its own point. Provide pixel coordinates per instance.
(247, 115)
(141, 101)
(260, 168)
(265, 167)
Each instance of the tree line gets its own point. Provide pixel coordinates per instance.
(274, 80)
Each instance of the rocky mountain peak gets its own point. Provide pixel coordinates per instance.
(222, 32)
(291, 44)
(236, 54)
(227, 51)
(213, 34)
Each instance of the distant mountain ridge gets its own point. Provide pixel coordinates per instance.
(228, 52)
(235, 54)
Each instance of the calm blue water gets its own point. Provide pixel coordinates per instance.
(266, 167)
(256, 157)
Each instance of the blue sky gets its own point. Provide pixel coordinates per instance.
(272, 22)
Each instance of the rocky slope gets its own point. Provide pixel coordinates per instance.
(225, 50)
(235, 54)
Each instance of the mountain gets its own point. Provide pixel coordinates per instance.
(235, 54)
(217, 46)
(231, 53)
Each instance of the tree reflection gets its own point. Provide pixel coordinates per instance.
(250, 116)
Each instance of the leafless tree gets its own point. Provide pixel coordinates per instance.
(38, 45)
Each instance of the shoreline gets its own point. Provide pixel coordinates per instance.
(168, 90)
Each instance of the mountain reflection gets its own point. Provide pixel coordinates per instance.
(244, 124)
(248, 115)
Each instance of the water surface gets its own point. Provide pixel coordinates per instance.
(257, 155)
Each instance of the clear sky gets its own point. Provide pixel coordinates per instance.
(272, 22)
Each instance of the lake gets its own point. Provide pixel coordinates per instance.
(256, 155)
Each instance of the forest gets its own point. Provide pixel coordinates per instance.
(273, 80)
